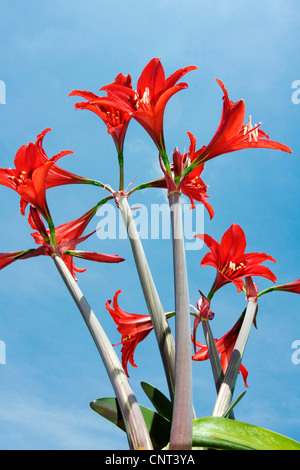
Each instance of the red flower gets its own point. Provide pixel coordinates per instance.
(233, 135)
(8, 258)
(34, 172)
(191, 185)
(225, 346)
(115, 119)
(195, 189)
(290, 287)
(147, 104)
(133, 328)
(231, 261)
(68, 236)
(203, 313)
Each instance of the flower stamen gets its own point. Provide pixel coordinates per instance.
(251, 131)
(232, 267)
(144, 102)
(126, 338)
(146, 96)
(113, 118)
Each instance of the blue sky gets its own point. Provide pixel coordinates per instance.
(52, 368)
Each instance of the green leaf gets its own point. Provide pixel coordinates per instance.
(110, 410)
(227, 434)
(159, 428)
(228, 411)
(160, 402)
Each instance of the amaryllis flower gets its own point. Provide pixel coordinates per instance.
(147, 103)
(8, 258)
(68, 236)
(232, 134)
(115, 119)
(231, 261)
(192, 184)
(203, 314)
(293, 287)
(195, 189)
(133, 328)
(290, 287)
(225, 346)
(34, 172)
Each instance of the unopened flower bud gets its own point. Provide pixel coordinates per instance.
(177, 162)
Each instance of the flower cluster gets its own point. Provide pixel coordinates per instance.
(234, 266)
(146, 104)
(33, 175)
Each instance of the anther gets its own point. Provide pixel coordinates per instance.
(232, 266)
(126, 338)
(251, 131)
(146, 96)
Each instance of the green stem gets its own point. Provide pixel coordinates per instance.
(227, 388)
(182, 422)
(151, 184)
(101, 203)
(266, 291)
(52, 233)
(161, 327)
(137, 432)
(97, 183)
(121, 166)
(165, 160)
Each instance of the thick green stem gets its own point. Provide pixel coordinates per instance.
(182, 422)
(137, 431)
(227, 388)
(161, 327)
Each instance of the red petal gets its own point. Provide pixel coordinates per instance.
(101, 258)
(88, 95)
(215, 257)
(153, 78)
(233, 243)
(290, 287)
